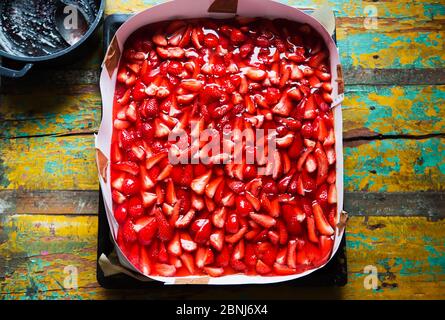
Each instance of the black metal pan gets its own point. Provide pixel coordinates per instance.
(22, 22)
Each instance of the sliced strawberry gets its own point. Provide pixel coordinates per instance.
(283, 270)
(214, 272)
(165, 230)
(232, 223)
(170, 193)
(222, 259)
(331, 176)
(217, 239)
(320, 220)
(281, 256)
(128, 232)
(152, 161)
(236, 236)
(162, 254)
(293, 216)
(146, 182)
(144, 261)
(118, 197)
(273, 237)
(282, 232)
(187, 243)
(135, 207)
(148, 199)
(185, 220)
(203, 257)
(197, 202)
(263, 220)
(165, 270)
(243, 206)
(127, 166)
(262, 268)
(174, 246)
(312, 235)
(201, 230)
(322, 162)
(219, 217)
(332, 194)
(120, 213)
(254, 201)
(146, 230)
(198, 185)
(188, 261)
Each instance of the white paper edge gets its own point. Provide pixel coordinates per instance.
(193, 9)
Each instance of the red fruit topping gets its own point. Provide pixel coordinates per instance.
(271, 213)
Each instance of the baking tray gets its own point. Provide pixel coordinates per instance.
(333, 274)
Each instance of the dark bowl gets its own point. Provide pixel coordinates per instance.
(62, 56)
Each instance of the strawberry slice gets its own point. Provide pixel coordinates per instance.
(201, 230)
(170, 194)
(144, 261)
(217, 239)
(311, 163)
(283, 270)
(292, 254)
(332, 194)
(262, 268)
(222, 259)
(188, 261)
(165, 270)
(165, 230)
(174, 246)
(236, 236)
(321, 223)
(219, 217)
(198, 185)
(281, 256)
(148, 199)
(238, 251)
(293, 216)
(120, 213)
(187, 243)
(128, 232)
(274, 237)
(282, 232)
(263, 220)
(127, 166)
(203, 257)
(232, 223)
(147, 231)
(243, 206)
(211, 187)
(254, 201)
(322, 163)
(118, 197)
(312, 235)
(228, 200)
(184, 220)
(197, 202)
(214, 272)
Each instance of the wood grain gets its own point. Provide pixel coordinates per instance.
(408, 253)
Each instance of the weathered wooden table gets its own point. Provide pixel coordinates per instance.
(394, 129)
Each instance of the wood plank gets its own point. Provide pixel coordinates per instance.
(395, 165)
(42, 112)
(72, 202)
(393, 110)
(68, 163)
(368, 111)
(420, 10)
(407, 252)
(49, 163)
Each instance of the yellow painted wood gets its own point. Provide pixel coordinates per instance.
(49, 163)
(408, 253)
